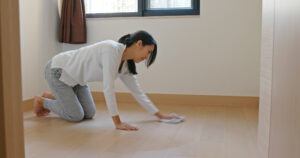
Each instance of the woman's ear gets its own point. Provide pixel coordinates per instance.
(139, 43)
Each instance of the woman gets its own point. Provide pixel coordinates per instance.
(68, 73)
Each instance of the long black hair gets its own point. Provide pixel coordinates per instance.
(146, 39)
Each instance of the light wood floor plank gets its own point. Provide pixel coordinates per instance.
(210, 131)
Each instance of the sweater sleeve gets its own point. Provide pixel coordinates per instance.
(132, 84)
(109, 71)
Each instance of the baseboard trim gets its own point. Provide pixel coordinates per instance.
(27, 105)
(176, 99)
(186, 99)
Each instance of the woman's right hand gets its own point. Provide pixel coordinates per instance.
(126, 126)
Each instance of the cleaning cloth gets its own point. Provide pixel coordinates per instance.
(178, 119)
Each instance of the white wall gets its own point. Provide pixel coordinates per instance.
(39, 26)
(216, 53)
(279, 113)
(266, 77)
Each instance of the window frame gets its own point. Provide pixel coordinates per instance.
(143, 11)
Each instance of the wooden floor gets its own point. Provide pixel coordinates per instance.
(210, 131)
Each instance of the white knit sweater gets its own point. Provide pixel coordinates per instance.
(100, 62)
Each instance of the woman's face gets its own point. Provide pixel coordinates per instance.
(142, 52)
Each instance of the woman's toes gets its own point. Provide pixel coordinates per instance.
(44, 113)
(38, 106)
(45, 94)
(47, 110)
(36, 103)
(48, 95)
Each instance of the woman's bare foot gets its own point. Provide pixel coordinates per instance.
(38, 107)
(48, 95)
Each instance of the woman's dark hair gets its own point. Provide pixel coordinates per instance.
(146, 39)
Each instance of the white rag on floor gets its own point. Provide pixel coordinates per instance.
(178, 119)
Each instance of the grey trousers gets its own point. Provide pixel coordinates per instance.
(71, 103)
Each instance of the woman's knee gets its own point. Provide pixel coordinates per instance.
(90, 114)
(75, 117)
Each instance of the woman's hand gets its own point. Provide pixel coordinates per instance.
(122, 125)
(163, 116)
(126, 126)
(172, 118)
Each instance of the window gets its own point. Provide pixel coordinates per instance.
(167, 4)
(121, 8)
(111, 6)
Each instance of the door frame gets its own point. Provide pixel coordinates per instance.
(11, 109)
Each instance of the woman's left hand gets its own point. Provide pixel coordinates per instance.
(163, 116)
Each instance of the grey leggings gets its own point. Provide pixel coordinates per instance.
(71, 103)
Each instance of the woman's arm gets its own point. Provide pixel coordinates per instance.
(133, 85)
(109, 71)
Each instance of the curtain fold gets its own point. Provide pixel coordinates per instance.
(72, 28)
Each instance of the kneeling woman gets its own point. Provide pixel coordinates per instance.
(68, 73)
